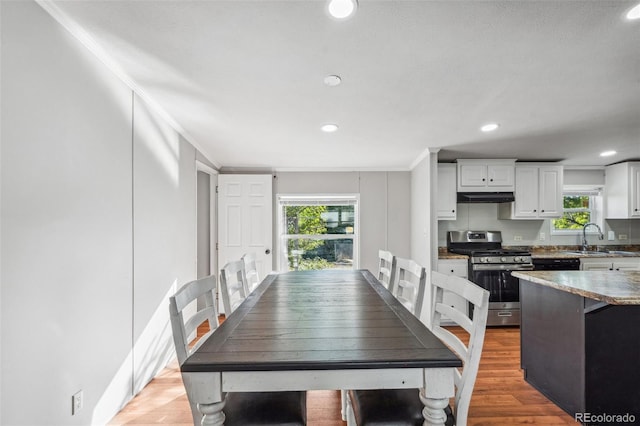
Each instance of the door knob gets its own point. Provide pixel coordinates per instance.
(267, 251)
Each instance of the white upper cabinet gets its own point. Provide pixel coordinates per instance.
(538, 193)
(486, 175)
(447, 196)
(622, 190)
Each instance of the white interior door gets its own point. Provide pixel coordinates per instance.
(245, 219)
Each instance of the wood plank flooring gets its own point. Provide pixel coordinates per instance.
(500, 397)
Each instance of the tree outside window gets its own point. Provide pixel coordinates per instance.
(579, 208)
(318, 234)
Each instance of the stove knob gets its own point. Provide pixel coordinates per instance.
(518, 259)
(484, 259)
(503, 259)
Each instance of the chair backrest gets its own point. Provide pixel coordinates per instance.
(185, 328)
(233, 285)
(470, 354)
(409, 284)
(251, 275)
(386, 268)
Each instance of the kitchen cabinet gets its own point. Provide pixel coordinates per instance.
(447, 195)
(538, 193)
(457, 267)
(610, 264)
(622, 191)
(486, 175)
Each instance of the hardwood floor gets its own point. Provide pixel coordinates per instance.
(500, 396)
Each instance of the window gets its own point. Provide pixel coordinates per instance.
(318, 232)
(580, 206)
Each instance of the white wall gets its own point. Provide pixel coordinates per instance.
(98, 227)
(164, 220)
(384, 205)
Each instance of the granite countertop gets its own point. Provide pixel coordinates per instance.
(557, 252)
(613, 287)
(554, 253)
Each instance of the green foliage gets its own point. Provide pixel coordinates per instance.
(577, 218)
(305, 220)
(314, 264)
(574, 220)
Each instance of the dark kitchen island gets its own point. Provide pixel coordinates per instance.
(580, 341)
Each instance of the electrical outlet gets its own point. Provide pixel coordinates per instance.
(622, 236)
(543, 236)
(76, 402)
(517, 238)
(612, 235)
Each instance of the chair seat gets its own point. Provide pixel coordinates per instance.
(265, 408)
(390, 407)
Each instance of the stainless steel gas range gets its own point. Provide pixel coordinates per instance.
(490, 267)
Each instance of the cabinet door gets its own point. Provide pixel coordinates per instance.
(500, 175)
(595, 265)
(626, 264)
(550, 191)
(526, 204)
(473, 175)
(635, 192)
(459, 268)
(447, 197)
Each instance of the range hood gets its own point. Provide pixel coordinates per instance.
(485, 197)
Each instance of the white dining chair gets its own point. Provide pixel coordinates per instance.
(409, 285)
(404, 406)
(252, 277)
(386, 268)
(233, 286)
(241, 408)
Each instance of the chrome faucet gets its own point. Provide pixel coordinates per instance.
(585, 246)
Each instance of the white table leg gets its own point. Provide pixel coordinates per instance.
(212, 414)
(438, 388)
(433, 411)
(205, 389)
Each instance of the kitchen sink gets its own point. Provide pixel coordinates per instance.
(605, 252)
(590, 252)
(624, 253)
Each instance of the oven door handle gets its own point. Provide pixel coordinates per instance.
(499, 267)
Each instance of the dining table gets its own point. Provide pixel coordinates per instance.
(320, 330)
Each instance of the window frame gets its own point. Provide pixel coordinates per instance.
(596, 196)
(316, 200)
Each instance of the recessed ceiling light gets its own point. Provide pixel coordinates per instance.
(490, 127)
(342, 9)
(634, 13)
(329, 128)
(332, 80)
(607, 153)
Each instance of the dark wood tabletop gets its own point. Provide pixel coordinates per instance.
(320, 320)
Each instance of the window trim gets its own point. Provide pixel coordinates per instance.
(315, 200)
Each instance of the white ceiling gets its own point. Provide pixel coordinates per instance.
(244, 79)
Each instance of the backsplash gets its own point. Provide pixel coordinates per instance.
(529, 232)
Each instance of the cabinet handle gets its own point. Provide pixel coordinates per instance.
(534, 210)
(483, 179)
(611, 269)
(490, 180)
(453, 211)
(452, 271)
(542, 211)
